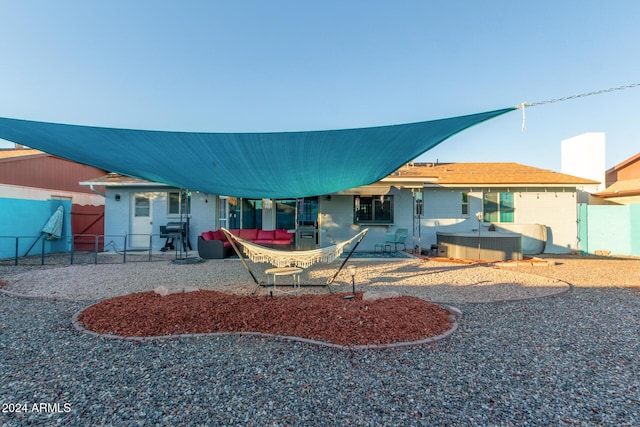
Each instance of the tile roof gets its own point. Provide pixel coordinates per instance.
(625, 187)
(439, 174)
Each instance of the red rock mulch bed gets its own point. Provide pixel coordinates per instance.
(330, 318)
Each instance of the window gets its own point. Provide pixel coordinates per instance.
(142, 207)
(232, 213)
(285, 214)
(251, 213)
(174, 201)
(498, 207)
(464, 204)
(308, 211)
(222, 212)
(373, 209)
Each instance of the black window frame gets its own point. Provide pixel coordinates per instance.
(374, 209)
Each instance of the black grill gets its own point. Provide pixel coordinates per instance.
(175, 230)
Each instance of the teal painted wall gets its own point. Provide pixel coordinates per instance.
(634, 215)
(25, 219)
(583, 227)
(609, 228)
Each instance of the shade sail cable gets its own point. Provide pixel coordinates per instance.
(251, 165)
(524, 105)
(580, 95)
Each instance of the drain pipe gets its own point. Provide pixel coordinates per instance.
(96, 191)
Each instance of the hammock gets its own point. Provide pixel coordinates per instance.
(303, 259)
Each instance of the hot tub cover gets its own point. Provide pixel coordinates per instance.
(251, 165)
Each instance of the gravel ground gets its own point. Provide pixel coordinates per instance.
(453, 283)
(568, 359)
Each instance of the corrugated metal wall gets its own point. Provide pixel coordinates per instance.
(46, 171)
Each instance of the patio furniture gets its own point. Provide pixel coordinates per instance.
(397, 238)
(284, 271)
(215, 245)
(384, 247)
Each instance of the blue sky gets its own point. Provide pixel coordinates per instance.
(293, 65)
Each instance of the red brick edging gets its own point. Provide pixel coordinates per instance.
(454, 326)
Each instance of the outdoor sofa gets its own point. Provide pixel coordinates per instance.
(214, 244)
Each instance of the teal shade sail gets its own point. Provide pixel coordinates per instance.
(250, 165)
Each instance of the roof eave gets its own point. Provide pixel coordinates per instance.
(614, 194)
(123, 184)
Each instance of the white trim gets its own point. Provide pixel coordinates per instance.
(31, 193)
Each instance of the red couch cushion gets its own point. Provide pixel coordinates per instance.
(265, 235)
(208, 235)
(283, 234)
(219, 235)
(250, 234)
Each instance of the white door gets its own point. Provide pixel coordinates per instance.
(141, 220)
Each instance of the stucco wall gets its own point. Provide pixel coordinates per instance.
(556, 210)
(610, 228)
(442, 212)
(336, 221)
(25, 219)
(118, 215)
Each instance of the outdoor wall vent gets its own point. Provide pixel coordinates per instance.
(117, 197)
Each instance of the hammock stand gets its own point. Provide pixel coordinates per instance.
(305, 258)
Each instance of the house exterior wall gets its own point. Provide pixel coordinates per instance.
(554, 209)
(630, 169)
(336, 221)
(442, 213)
(118, 214)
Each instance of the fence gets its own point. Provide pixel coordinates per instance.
(105, 249)
(612, 229)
